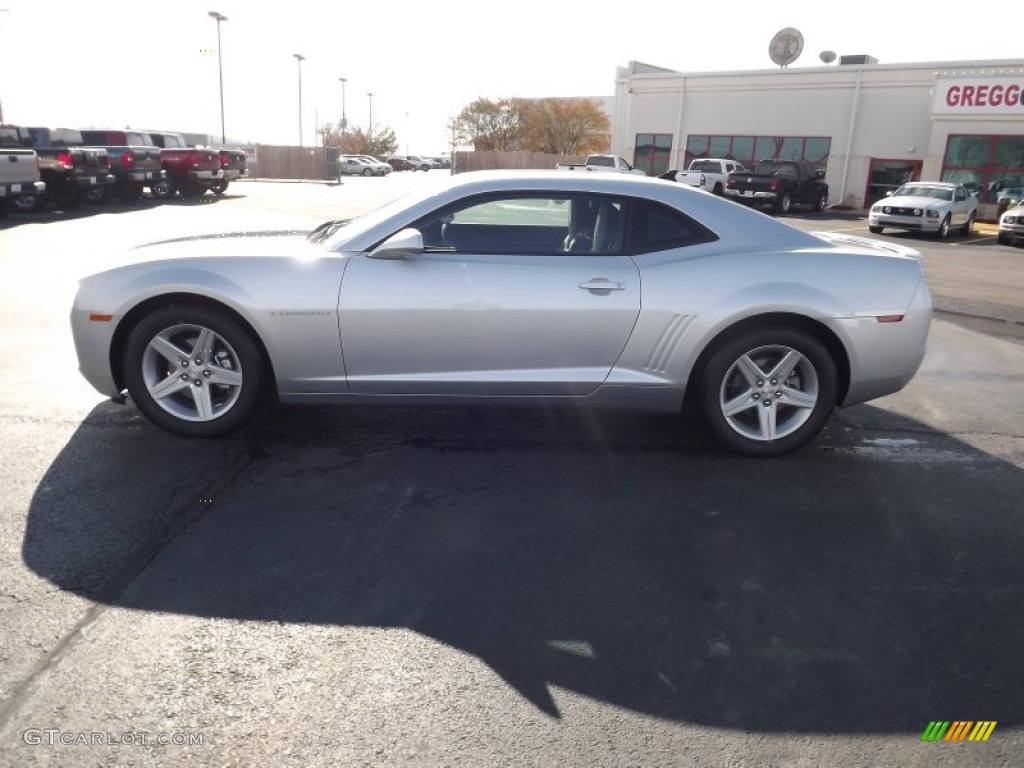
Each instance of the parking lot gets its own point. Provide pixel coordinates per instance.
(378, 586)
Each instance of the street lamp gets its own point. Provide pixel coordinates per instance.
(220, 72)
(344, 121)
(406, 133)
(369, 131)
(299, 58)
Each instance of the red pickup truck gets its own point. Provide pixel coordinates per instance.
(134, 161)
(192, 171)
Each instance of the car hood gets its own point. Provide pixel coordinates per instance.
(289, 242)
(914, 201)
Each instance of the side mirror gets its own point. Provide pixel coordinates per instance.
(406, 242)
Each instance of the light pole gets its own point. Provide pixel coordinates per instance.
(299, 58)
(220, 72)
(344, 121)
(369, 131)
(407, 133)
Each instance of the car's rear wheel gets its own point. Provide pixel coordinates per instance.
(67, 197)
(875, 230)
(768, 391)
(784, 203)
(162, 189)
(25, 203)
(718, 189)
(367, 172)
(822, 202)
(193, 370)
(943, 231)
(969, 226)
(219, 187)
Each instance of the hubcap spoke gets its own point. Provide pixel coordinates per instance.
(739, 404)
(786, 365)
(168, 386)
(168, 350)
(751, 371)
(224, 376)
(204, 345)
(798, 399)
(766, 417)
(204, 404)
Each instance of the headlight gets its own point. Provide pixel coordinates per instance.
(932, 214)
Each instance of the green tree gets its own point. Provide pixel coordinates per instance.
(356, 141)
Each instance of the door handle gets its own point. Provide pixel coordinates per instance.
(602, 284)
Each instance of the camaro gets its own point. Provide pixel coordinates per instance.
(510, 288)
(926, 206)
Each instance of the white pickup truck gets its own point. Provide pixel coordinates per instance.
(20, 186)
(608, 163)
(707, 173)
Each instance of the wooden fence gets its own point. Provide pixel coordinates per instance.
(274, 162)
(483, 161)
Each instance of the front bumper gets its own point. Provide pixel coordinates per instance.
(1013, 233)
(918, 223)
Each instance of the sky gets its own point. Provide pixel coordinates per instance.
(153, 65)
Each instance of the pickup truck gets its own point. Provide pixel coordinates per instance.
(707, 173)
(134, 161)
(233, 166)
(20, 186)
(606, 163)
(780, 184)
(192, 171)
(67, 166)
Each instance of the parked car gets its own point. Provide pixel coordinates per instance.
(233, 166)
(134, 161)
(780, 184)
(670, 295)
(383, 168)
(191, 171)
(1009, 197)
(401, 164)
(606, 163)
(1011, 226)
(20, 185)
(707, 173)
(926, 206)
(350, 165)
(69, 168)
(420, 163)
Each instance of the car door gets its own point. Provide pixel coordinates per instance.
(514, 294)
(961, 206)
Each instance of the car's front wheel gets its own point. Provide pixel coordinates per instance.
(193, 370)
(875, 230)
(943, 231)
(1003, 239)
(768, 391)
(822, 202)
(969, 225)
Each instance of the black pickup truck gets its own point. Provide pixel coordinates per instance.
(134, 160)
(234, 165)
(69, 168)
(780, 184)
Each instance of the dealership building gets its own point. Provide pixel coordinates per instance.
(871, 126)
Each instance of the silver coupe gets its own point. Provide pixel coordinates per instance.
(516, 288)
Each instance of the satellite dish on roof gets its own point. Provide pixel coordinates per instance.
(786, 46)
(827, 57)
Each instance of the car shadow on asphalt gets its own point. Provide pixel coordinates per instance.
(868, 583)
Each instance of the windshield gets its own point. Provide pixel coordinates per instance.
(924, 190)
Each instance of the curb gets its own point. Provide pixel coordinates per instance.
(993, 325)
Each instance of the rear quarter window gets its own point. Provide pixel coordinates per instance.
(654, 227)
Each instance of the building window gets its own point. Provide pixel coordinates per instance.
(986, 165)
(653, 153)
(750, 149)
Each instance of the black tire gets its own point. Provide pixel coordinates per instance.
(233, 351)
(67, 197)
(968, 227)
(1003, 239)
(875, 230)
(25, 203)
(4, 208)
(721, 381)
(821, 203)
(219, 187)
(367, 172)
(783, 204)
(190, 189)
(96, 195)
(162, 189)
(718, 190)
(943, 231)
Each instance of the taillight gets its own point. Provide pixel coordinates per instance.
(225, 161)
(39, 167)
(66, 160)
(774, 184)
(192, 159)
(127, 159)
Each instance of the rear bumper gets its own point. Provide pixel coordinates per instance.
(14, 189)
(750, 195)
(94, 180)
(206, 175)
(141, 177)
(233, 174)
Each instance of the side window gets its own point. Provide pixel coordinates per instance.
(528, 225)
(657, 227)
(960, 194)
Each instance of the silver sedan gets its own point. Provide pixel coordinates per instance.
(510, 288)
